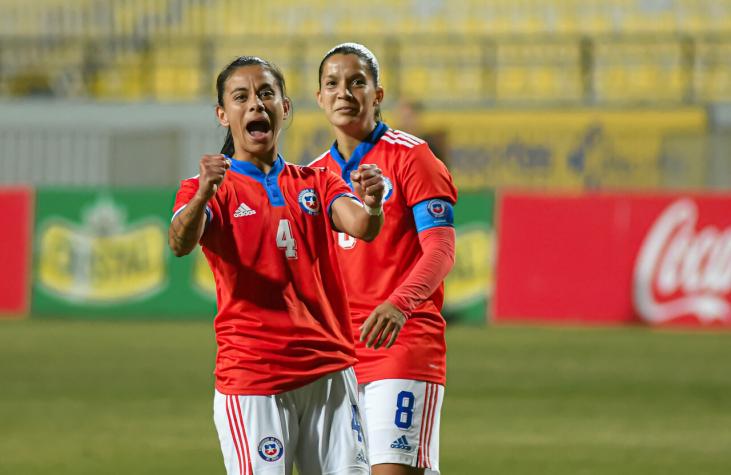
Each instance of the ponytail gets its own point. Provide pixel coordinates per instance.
(228, 144)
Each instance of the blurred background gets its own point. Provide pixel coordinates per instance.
(591, 144)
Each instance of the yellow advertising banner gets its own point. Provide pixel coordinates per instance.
(564, 149)
(545, 148)
(80, 263)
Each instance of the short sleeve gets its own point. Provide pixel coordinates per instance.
(188, 189)
(334, 188)
(423, 176)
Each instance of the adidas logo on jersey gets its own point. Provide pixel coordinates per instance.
(243, 210)
(401, 443)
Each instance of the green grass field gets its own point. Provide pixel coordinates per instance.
(136, 398)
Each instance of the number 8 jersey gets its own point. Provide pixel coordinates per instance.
(283, 318)
(419, 192)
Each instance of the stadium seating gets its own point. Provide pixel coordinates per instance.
(501, 51)
(317, 17)
(538, 72)
(713, 70)
(639, 72)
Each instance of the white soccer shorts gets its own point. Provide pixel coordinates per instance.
(401, 418)
(317, 427)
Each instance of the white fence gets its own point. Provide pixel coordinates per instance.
(47, 143)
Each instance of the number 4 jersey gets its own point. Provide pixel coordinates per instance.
(282, 318)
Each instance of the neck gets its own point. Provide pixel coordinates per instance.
(348, 140)
(263, 162)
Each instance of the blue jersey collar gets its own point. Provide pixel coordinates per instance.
(360, 151)
(270, 181)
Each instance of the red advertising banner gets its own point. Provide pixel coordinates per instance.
(16, 217)
(614, 258)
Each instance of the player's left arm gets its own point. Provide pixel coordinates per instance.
(431, 194)
(362, 221)
(438, 254)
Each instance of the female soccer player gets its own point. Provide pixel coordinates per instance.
(401, 386)
(285, 387)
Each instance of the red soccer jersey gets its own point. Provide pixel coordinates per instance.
(282, 318)
(373, 270)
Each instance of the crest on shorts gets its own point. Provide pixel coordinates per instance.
(308, 201)
(271, 449)
(437, 208)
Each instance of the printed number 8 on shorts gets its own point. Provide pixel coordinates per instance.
(404, 409)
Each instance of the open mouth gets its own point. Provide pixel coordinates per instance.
(258, 129)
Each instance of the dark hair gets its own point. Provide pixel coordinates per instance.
(363, 53)
(241, 61)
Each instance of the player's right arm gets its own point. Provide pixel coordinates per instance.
(188, 225)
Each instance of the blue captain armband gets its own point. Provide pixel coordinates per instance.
(433, 213)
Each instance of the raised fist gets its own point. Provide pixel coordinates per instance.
(369, 184)
(212, 172)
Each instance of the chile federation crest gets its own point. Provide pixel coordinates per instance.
(309, 202)
(271, 449)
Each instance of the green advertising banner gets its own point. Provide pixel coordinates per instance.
(468, 288)
(104, 254)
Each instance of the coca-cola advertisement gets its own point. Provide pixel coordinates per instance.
(658, 259)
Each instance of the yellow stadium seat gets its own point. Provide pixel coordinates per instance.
(177, 83)
(124, 81)
(451, 53)
(712, 73)
(538, 72)
(643, 72)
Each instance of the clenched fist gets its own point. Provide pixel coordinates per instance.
(212, 172)
(368, 183)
